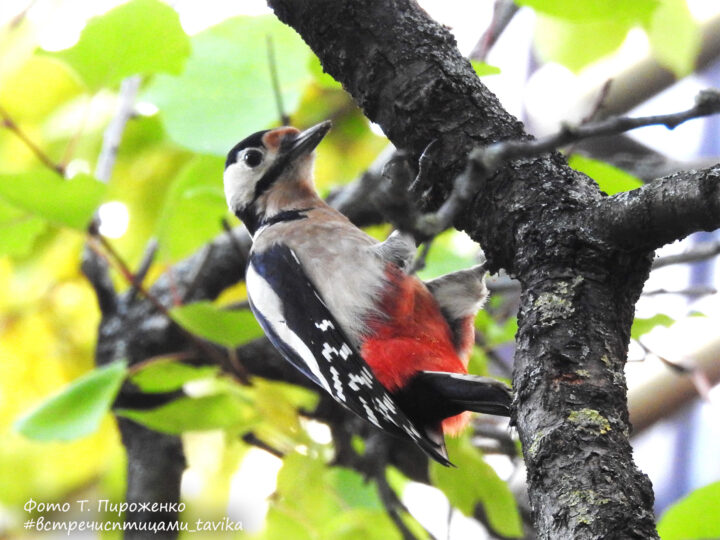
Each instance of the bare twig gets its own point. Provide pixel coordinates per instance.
(594, 111)
(114, 132)
(706, 103)
(272, 63)
(699, 290)
(483, 162)
(237, 368)
(9, 123)
(421, 260)
(147, 260)
(253, 440)
(699, 252)
(503, 13)
(393, 505)
(699, 379)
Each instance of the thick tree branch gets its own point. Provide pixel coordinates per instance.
(662, 211)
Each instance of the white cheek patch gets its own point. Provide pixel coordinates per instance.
(239, 184)
(267, 302)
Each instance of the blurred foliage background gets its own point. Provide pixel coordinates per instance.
(199, 93)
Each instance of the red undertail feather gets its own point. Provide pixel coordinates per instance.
(415, 337)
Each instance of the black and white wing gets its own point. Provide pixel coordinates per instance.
(300, 325)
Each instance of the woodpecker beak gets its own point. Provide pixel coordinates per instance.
(305, 142)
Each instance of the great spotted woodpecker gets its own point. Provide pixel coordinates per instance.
(340, 307)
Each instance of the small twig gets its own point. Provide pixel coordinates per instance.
(393, 506)
(483, 162)
(421, 260)
(236, 306)
(504, 442)
(673, 366)
(114, 132)
(598, 105)
(9, 123)
(122, 266)
(147, 260)
(707, 103)
(207, 253)
(17, 19)
(163, 358)
(699, 290)
(699, 252)
(253, 440)
(127, 274)
(272, 63)
(503, 13)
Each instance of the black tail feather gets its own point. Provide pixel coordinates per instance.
(432, 396)
(468, 392)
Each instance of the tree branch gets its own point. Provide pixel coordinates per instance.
(9, 123)
(699, 252)
(662, 211)
(484, 161)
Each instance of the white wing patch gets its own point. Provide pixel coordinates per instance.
(364, 379)
(324, 325)
(369, 412)
(337, 383)
(269, 305)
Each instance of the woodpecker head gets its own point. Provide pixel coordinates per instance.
(277, 160)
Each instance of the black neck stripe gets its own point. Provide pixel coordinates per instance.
(286, 215)
(268, 179)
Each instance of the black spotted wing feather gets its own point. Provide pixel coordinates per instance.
(299, 324)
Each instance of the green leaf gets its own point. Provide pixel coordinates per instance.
(228, 328)
(593, 10)
(225, 91)
(323, 79)
(281, 525)
(303, 492)
(674, 37)
(139, 37)
(482, 69)
(76, 411)
(354, 489)
(18, 230)
(193, 210)
(496, 333)
(694, 517)
(643, 326)
(220, 411)
(473, 482)
(38, 88)
(575, 44)
(46, 194)
(167, 375)
(610, 179)
(444, 256)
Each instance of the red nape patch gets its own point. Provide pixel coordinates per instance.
(414, 337)
(273, 138)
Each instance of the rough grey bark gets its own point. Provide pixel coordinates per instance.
(579, 287)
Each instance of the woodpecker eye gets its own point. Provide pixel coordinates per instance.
(252, 157)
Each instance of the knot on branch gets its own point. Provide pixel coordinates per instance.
(708, 101)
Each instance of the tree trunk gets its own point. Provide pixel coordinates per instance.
(534, 217)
